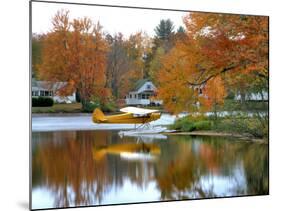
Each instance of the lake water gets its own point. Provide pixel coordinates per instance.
(80, 168)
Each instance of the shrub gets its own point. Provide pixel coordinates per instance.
(108, 107)
(42, 102)
(34, 102)
(188, 124)
(197, 117)
(90, 106)
(251, 126)
(203, 125)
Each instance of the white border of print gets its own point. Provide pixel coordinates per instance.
(14, 86)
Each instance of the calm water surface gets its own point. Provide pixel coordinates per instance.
(78, 168)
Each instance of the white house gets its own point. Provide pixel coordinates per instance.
(142, 93)
(50, 89)
(262, 96)
(250, 96)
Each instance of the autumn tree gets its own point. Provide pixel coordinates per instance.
(215, 45)
(213, 94)
(172, 88)
(159, 51)
(117, 62)
(232, 43)
(75, 52)
(125, 63)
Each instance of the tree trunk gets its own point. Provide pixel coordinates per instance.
(215, 114)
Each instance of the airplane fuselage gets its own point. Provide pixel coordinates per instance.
(125, 118)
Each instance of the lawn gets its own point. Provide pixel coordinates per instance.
(59, 108)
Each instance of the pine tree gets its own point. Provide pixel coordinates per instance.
(165, 29)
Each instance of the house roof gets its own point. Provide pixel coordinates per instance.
(140, 83)
(48, 85)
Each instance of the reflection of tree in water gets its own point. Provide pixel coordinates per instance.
(179, 177)
(190, 160)
(256, 168)
(63, 162)
(68, 167)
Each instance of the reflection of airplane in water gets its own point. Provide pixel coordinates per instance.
(146, 138)
(129, 151)
(131, 115)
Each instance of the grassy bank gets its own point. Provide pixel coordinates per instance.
(59, 108)
(252, 127)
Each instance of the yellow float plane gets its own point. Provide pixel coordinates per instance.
(129, 115)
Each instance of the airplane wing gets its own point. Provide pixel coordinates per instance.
(138, 111)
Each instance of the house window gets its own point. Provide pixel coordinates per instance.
(135, 96)
(41, 93)
(130, 96)
(46, 93)
(145, 96)
(148, 86)
(200, 91)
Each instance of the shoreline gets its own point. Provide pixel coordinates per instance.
(84, 123)
(59, 114)
(221, 134)
(55, 114)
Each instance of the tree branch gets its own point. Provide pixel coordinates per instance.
(211, 76)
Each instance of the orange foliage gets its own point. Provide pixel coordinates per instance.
(75, 52)
(230, 42)
(215, 47)
(171, 86)
(214, 93)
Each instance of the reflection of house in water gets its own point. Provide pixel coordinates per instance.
(142, 93)
(50, 89)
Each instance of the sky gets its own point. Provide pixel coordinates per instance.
(114, 20)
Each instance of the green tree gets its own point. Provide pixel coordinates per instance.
(165, 29)
(36, 53)
(163, 42)
(180, 30)
(155, 63)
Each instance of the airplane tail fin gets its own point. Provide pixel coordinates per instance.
(98, 116)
